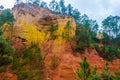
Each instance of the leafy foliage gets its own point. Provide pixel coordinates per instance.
(106, 75)
(84, 72)
(29, 64)
(111, 25)
(53, 29)
(6, 50)
(6, 17)
(54, 61)
(110, 52)
(83, 38)
(67, 31)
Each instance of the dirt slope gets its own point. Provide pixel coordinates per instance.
(68, 63)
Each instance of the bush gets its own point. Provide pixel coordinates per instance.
(2, 69)
(53, 29)
(83, 38)
(22, 75)
(105, 74)
(117, 74)
(5, 60)
(5, 47)
(29, 53)
(110, 52)
(106, 38)
(95, 77)
(6, 17)
(80, 47)
(84, 72)
(54, 62)
(16, 65)
(96, 46)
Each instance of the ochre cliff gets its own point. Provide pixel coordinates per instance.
(33, 23)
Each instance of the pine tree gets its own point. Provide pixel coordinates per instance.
(53, 28)
(67, 30)
(43, 4)
(62, 6)
(69, 9)
(53, 5)
(84, 72)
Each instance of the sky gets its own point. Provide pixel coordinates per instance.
(95, 9)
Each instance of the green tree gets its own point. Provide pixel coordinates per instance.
(67, 32)
(53, 28)
(84, 20)
(76, 14)
(6, 17)
(84, 72)
(53, 5)
(36, 2)
(69, 10)
(83, 38)
(105, 74)
(94, 26)
(43, 4)
(6, 49)
(62, 6)
(111, 25)
(94, 75)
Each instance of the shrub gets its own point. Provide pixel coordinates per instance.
(84, 72)
(5, 60)
(41, 61)
(67, 30)
(83, 38)
(54, 61)
(16, 65)
(2, 69)
(6, 17)
(110, 52)
(106, 38)
(29, 53)
(117, 74)
(105, 74)
(5, 47)
(80, 47)
(53, 29)
(22, 75)
(96, 46)
(94, 75)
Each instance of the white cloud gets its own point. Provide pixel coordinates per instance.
(97, 9)
(7, 3)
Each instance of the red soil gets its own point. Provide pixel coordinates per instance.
(68, 63)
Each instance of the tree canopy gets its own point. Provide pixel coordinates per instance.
(6, 17)
(111, 25)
